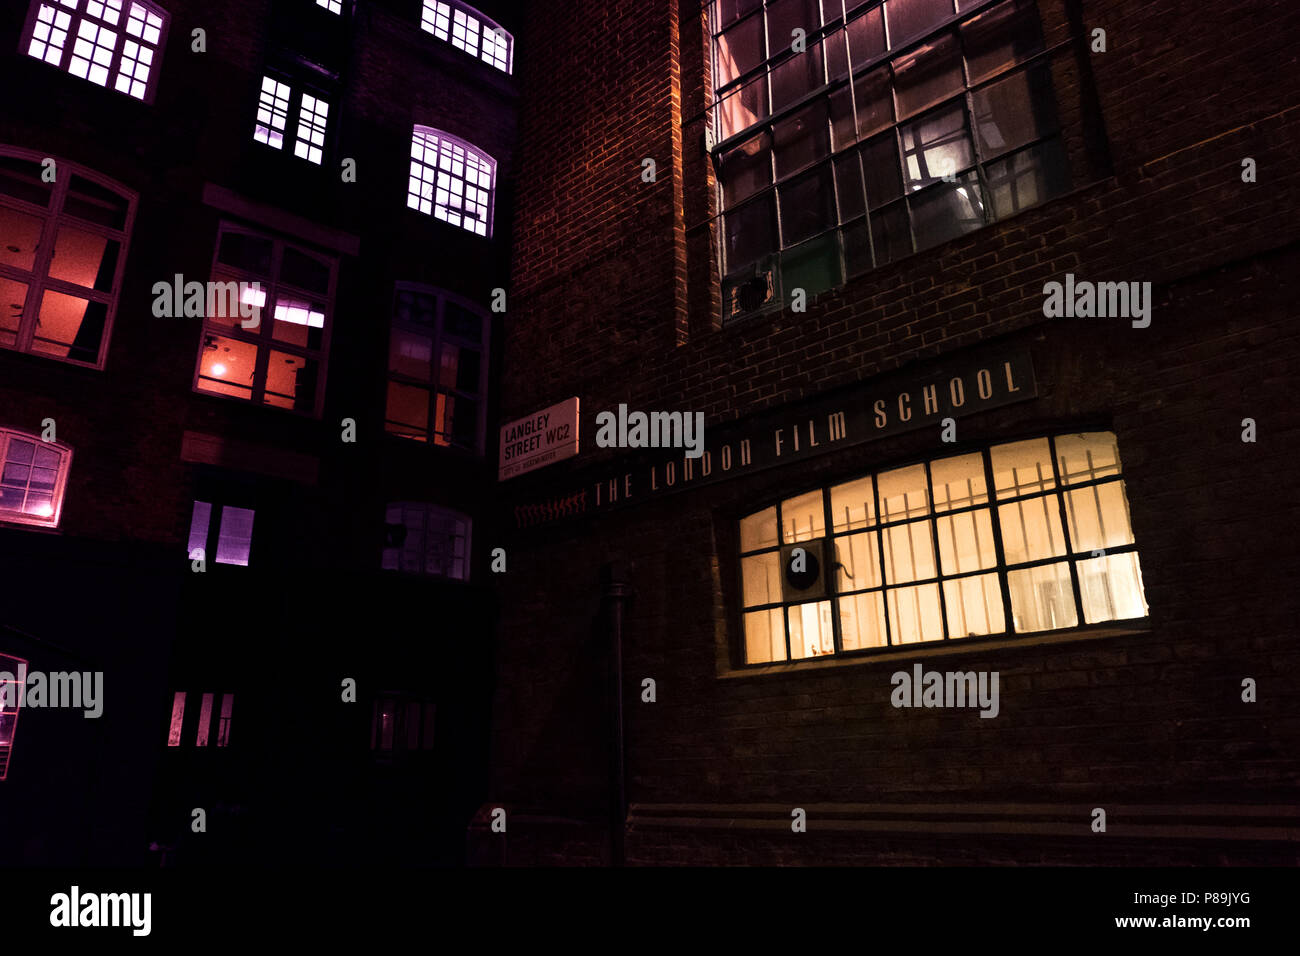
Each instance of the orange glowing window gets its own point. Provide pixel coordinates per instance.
(33, 477)
(64, 232)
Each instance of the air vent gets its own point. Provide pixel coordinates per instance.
(803, 570)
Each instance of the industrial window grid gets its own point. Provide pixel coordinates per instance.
(65, 249)
(279, 359)
(466, 29)
(427, 539)
(451, 180)
(33, 478)
(857, 151)
(203, 732)
(276, 115)
(115, 43)
(1084, 555)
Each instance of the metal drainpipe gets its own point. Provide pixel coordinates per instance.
(618, 596)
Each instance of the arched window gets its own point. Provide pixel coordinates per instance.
(451, 180)
(62, 257)
(113, 43)
(1018, 538)
(466, 29)
(33, 476)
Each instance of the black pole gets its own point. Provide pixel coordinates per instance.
(618, 594)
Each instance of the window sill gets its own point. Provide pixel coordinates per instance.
(952, 648)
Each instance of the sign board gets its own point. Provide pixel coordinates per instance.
(546, 437)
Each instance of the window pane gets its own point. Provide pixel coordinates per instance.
(227, 366)
(1041, 598)
(199, 523)
(750, 232)
(95, 203)
(178, 719)
(928, 75)
(914, 614)
(746, 169)
(797, 77)
(462, 323)
(844, 130)
(245, 252)
(1087, 456)
(911, 18)
(801, 140)
(891, 234)
(235, 539)
(1112, 588)
(1014, 111)
(884, 178)
(739, 49)
(807, 206)
(299, 322)
(811, 631)
(909, 552)
(408, 411)
(935, 146)
(84, 259)
(20, 234)
(875, 102)
(765, 636)
(411, 354)
(958, 482)
(22, 179)
(837, 57)
(291, 381)
(69, 327)
(305, 272)
(761, 577)
(460, 368)
(758, 531)
(1028, 178)
(415, 308)
(729, 10)
(205, 721)
(853, 505)
(1031, 529)
(1000, 38)
(857, 248)
(1022, 468)
(866, 37)
(974, 606)
(785, 16)
(859, 561)
(862, 621)
(13, 299)
(743, 108)
(1099, 517)
(813, 266)
(848, 187)
(903, 493)
(946, 211)
(966, 542)
(802, 518)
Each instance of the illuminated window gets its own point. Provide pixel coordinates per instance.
(427, 539)
(206, 733)
(901, 126)
(310, 119)
(115, 43)
(466, 29)
(437, 369)
(451, 180)
(275, 354)
(333, 6)
(401, 723)
(234, 533)
(11, 690)
(62, 252)
(33, 477)
(926, 552)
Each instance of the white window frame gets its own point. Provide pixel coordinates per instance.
(91, 15)
(53, 217)
(60, 483)
(450, 21)
(440, 177)
(272, 287)
(313, 120)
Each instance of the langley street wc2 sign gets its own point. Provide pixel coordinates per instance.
(920, 398)
(550, 435)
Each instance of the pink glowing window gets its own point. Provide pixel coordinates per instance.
(275, 354)
(11, 692)
(178, 719)
(427, 539)
(466, 29)
(33, 477)
(451, 180)
(115, 43)
(234, 533)
(62, 253)
(203, 734)
(272, 113)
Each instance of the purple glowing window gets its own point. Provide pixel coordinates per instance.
(33, 476)
(113, 43)
(204, 731)
(178, 719)
(466, 29)
(275, 117)
(205, 721)
(234, 537)
(451, 180)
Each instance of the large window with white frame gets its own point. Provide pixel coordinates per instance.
(113, 43)
(466, 29)
(451, 180)
(437, 368)
(1018, 538)
(64, 233)
(427, 539)
(279, 111)
(33, 477)
(277, 355)
(853, 132)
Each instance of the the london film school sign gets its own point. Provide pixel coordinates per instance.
(894, 404)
